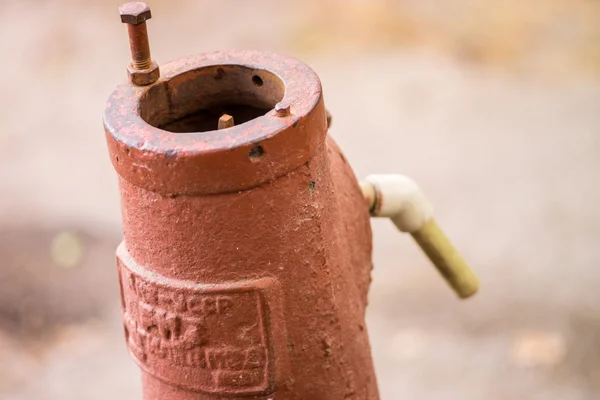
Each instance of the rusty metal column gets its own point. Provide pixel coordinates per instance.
(246, 256)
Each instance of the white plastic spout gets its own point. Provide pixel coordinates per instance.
(400, 199)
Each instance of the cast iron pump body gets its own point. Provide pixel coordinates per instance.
(246, 258)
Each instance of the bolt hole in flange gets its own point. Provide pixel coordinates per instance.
(256, 153)
(257, 80)
(195, 100)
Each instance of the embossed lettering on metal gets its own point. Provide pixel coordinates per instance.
(208, 338)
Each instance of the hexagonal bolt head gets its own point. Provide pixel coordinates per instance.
(134, 12)
(143, 77)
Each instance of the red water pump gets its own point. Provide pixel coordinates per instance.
(246, 258)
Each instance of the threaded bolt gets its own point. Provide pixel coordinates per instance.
(135, 14)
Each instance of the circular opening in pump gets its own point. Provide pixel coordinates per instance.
(195, 100)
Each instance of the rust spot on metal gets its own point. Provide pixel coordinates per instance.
(170, 154)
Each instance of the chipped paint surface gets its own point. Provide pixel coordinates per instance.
(139, 151)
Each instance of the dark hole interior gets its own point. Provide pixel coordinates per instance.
(195, 100)
(207, 119)
(257, 80)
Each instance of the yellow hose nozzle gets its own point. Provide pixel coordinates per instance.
(447, 259)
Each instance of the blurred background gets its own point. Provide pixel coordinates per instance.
(493, 106)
